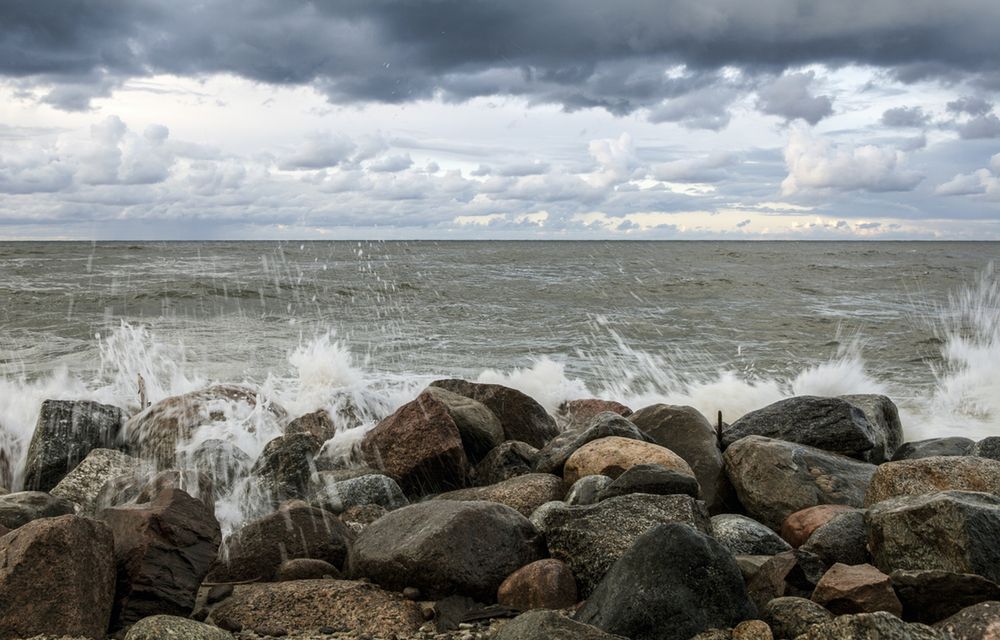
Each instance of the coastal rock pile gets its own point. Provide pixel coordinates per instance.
(470, 512)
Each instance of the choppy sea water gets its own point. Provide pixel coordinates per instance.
(723, 326)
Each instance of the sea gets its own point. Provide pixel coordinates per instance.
(722, 326)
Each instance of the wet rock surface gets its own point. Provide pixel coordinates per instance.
(520, 416)
(612, 456)
(745, 536)
(83, 485)
(654, 479)
(553, 456)
(20, 508)
(523, 493)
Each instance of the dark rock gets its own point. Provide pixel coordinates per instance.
(520, 416)
(673, 582)
(305, 605)
(987, 448)
(153, 434)
(505, 461)
(305, 569)
(614, 455)
(686, 432)
(163, 549)
(591, 538)
(194, 483)
(523, 493)
(376, 489)
(162, 627)
(318, 423)
(883, 415)
(574, 414)
(478, 427)
(775, 478)
(295, 530)
(218, 593)
(745, 536)
(67, 430)
(543, 584)
(789, 573)
(222, 461)
(549, 625)
(880, 625)
(843, 539)
(419, 446)
(830, 424)
(654, 479)
(953, 446)
(57, 577)
(449, 612)
(587, 489)
(931, 596)
(412, 593)
(856, 589)
(20, 508)
(954, 531)
(554, 455)
(750, 565)
(933, 474)
(445, 547)
(789, 617)
(285, 466)
(799, 526)
(978, 622)
(83, 485)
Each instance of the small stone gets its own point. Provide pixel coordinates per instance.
(274, 632)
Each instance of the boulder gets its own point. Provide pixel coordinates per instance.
(856, 589)
(775, 478)
(789, 617)
(446, 547)
(932, 447)
(20, 508)
(419, 446)
(372, 488)
(978, 622)
(358, 517)
(194, 483)
(543, 584)
(883, 415)
(574, 414)
(587, 490)
(163, 550)
(933, 474)
(57, 577)
(745, 536)
(162, 627)
(318, 423)
(789, 573)
(752, 630)
(549, 625)
(672, 583)
(987, 448)
(221, 461)
(285, 467)
(952, 531)
(613, 455)
(82, 486)
(843, 539)
(478, 427)
(654, 479)
(750, 565)
(798, 526)
(932, 596)
(877, 626)
(520, 416)
(553, 456)
(686, 432)
(305, 569)
(155, 433)
(295, 530)
(830, 424)
(591, 538)
(307, 605)
(66, 431)
(523, 493)
(505, 461)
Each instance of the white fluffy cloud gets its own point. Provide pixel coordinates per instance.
(982, 182)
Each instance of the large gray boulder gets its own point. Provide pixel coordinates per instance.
(550, 625)
(987, 448)
(830, 424)
(745, 536)
(951, 446)
(445, 547)
(84, 483)
(954, 531)
(686, 432)
(372, 488)
(672, 583)
(66, 431)
(505, 461)
(520, 416)
(479, 428)
(775, 478)
(591, 538)
(883, 415)
(553, 456)
(20, 508)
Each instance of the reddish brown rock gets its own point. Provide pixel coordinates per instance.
(544, 584)
(862, 588)
(163, 549)
(419, 446)
(57, 577)
(574, 414)
(318, 423)
(611, 456)
(798, 526)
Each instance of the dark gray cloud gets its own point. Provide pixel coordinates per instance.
(790, 98)
(985, 126)
(577, 53)
(972, 105)
(905, 117)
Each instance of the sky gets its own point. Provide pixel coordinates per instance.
(550, 119)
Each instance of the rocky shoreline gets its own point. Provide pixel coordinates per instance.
(471, 513)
